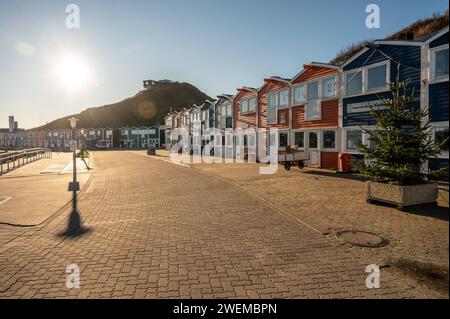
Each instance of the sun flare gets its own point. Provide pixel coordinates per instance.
(72, 72)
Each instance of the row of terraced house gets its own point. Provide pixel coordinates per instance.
(323, 108)
(91, 138)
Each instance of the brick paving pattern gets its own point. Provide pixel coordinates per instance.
(157, 230)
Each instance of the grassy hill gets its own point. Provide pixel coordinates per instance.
(420, 28)
(146, 107)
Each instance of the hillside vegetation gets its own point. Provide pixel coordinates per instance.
(146, 107)
(420, 28)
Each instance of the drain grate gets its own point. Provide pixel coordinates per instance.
(362, 238)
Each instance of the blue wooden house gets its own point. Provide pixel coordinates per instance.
(435, 95)
(366, 77)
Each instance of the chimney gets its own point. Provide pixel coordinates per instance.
(409, 36)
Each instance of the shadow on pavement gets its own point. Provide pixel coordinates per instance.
(439, 212)
(351, 176)
(74, 227)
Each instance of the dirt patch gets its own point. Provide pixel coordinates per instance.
(431, 275)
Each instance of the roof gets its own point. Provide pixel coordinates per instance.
(437, 35)
(316, 64)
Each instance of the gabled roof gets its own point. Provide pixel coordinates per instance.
(437, 35)
(312, 64)
(225, 96)
(383, 42)
(248, 89)
(274, 79)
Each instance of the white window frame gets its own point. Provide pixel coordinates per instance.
(320, 88)
(293, 138)
(307, 140)
(277, 97)
(364, 137)
(365, 80)
(248, 105)
(440, 125)
(316, 118)
(432, 70)
(293, 102)
(288, 138)
(322, 139)
(278, 94)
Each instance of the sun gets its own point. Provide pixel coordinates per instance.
(72, 72)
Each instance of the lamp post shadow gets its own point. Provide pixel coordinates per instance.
(74, 227)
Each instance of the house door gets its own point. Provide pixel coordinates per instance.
(313, 148)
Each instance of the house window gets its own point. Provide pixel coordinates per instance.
(248, 105)
(252, 105)
(440, 135)
(284, 99)
(312, 140)
(329, 87)
(283, 139)
(229, 110)
(299, 95)
(353, 136)
(329, 139)
(372, 78)
(439, 63)
(313, 91)
(313, 110)
(300, 139)
(376, 77)
(272, 108)
(354, 83)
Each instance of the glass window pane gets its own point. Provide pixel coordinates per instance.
(329, 139)
(442, 63)
(312, 140)
(244, 106)
(251, 105)
(229, 110)
(284, 98)
(272, 109)
(272, 100)
(352, 137)
(300, 139)
(354, 83)
(313, 91)
(283, 139)
(313, 110)
(329, 87)
(377, 77)
(440, 135)
(299, 94)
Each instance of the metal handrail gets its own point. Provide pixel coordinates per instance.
(27, 156)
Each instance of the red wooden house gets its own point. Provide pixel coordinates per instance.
(273, 107)
(244, 108)
(315, 114)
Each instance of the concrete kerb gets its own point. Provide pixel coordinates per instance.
(62, 209)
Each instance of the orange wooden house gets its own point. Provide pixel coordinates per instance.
(316, 115)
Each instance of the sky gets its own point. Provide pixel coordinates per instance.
(216, 45)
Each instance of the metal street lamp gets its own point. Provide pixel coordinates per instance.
(74, 186)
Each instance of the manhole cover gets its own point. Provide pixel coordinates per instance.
(362, 238)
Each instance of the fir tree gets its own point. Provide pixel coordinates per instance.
(401, 141)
